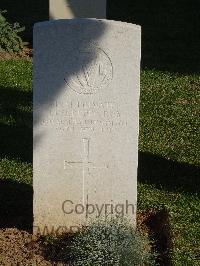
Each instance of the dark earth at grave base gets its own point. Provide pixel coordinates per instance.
(18, 247)
(26, 53)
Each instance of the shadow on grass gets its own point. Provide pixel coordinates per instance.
(16, 205)
(170, 31)
(16, 124)
(168, 174)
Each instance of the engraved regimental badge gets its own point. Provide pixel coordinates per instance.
(89, 71)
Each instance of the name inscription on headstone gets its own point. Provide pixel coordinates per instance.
(81, 116)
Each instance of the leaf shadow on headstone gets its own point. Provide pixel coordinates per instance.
(170, 32)
(16, 124)
(16, 208)
(168, 174)
(56, 80)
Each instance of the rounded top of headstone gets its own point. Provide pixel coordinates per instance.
(86, 21)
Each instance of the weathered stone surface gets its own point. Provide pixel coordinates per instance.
(65, 9)
(86, 112)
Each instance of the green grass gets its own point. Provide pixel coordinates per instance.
(15, 143)
(169, 155)
(169, 110)
(168, 158)
(16, 109)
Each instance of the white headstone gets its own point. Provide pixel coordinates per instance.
(66, 9)
(86, 116)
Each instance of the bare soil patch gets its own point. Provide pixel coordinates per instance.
(18, 247)
(156, 225)
(27, 52)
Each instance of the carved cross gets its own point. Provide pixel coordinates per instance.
(85, 163)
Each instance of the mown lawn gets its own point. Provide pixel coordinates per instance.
(168, 156)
